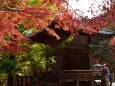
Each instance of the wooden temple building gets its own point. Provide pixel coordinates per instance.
(76, 64)
(73, 65)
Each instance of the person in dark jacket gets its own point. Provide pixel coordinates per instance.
(110, 78)
(106, 72)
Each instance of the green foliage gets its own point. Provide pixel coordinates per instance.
(23, 68)
(3, 78)
(6, 64)
(33, 2)
(21, 28)
(52, 7)
(65, 43)
(7, 37)
(39, 57)
(102, 50)
(35, 58)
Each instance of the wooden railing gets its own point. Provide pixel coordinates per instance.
(22, 80)
(76, 76)
(80, 75)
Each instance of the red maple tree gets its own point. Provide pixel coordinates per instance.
(13, 13)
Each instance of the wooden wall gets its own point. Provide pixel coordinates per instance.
(76, 55)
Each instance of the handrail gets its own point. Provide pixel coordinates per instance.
(80, 70)
(79, 73)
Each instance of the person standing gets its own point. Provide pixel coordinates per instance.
(106, 73)
(110, 78)
(105, 70)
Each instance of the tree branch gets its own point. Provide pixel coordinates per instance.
(6, 8)
(9, 8)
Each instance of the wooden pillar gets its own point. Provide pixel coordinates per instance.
(10, 81)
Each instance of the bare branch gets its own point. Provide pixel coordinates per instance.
(72, 8)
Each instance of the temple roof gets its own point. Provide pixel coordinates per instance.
(102, 33)
(45, 37)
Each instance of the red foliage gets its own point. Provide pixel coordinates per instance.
(38, 17)
(112, 42)
(31, 17)
(10, 37)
